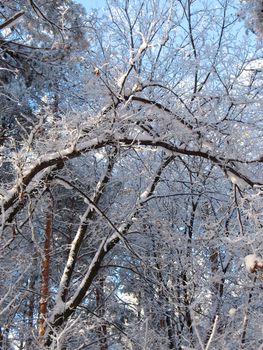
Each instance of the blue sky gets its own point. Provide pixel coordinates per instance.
(89, 4)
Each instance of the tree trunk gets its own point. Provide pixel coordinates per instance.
(102, 329)
(44, 290)
(31, 301)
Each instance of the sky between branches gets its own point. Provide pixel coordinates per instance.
(89, 4)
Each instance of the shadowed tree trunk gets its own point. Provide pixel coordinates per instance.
(44, 290)
(102, 328)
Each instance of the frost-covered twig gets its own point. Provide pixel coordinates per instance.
(212, 333)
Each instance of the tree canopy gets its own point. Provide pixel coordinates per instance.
(131, 175)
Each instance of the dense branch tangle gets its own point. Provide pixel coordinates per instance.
(109, 138)
(64, 306)
(139, 146)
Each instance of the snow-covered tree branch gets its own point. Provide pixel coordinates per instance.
(143, 123)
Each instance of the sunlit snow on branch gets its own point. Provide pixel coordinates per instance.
(253, 263)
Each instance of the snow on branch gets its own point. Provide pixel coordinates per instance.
(253, 263)
(109, 138)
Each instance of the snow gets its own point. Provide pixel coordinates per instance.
(236, 180)
(232, 312)
(59, 308)
(121, 80)
(62, 183)
(208, 145)
(252, 261)
(144, 195)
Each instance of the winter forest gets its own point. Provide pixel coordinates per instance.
(131, 167)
